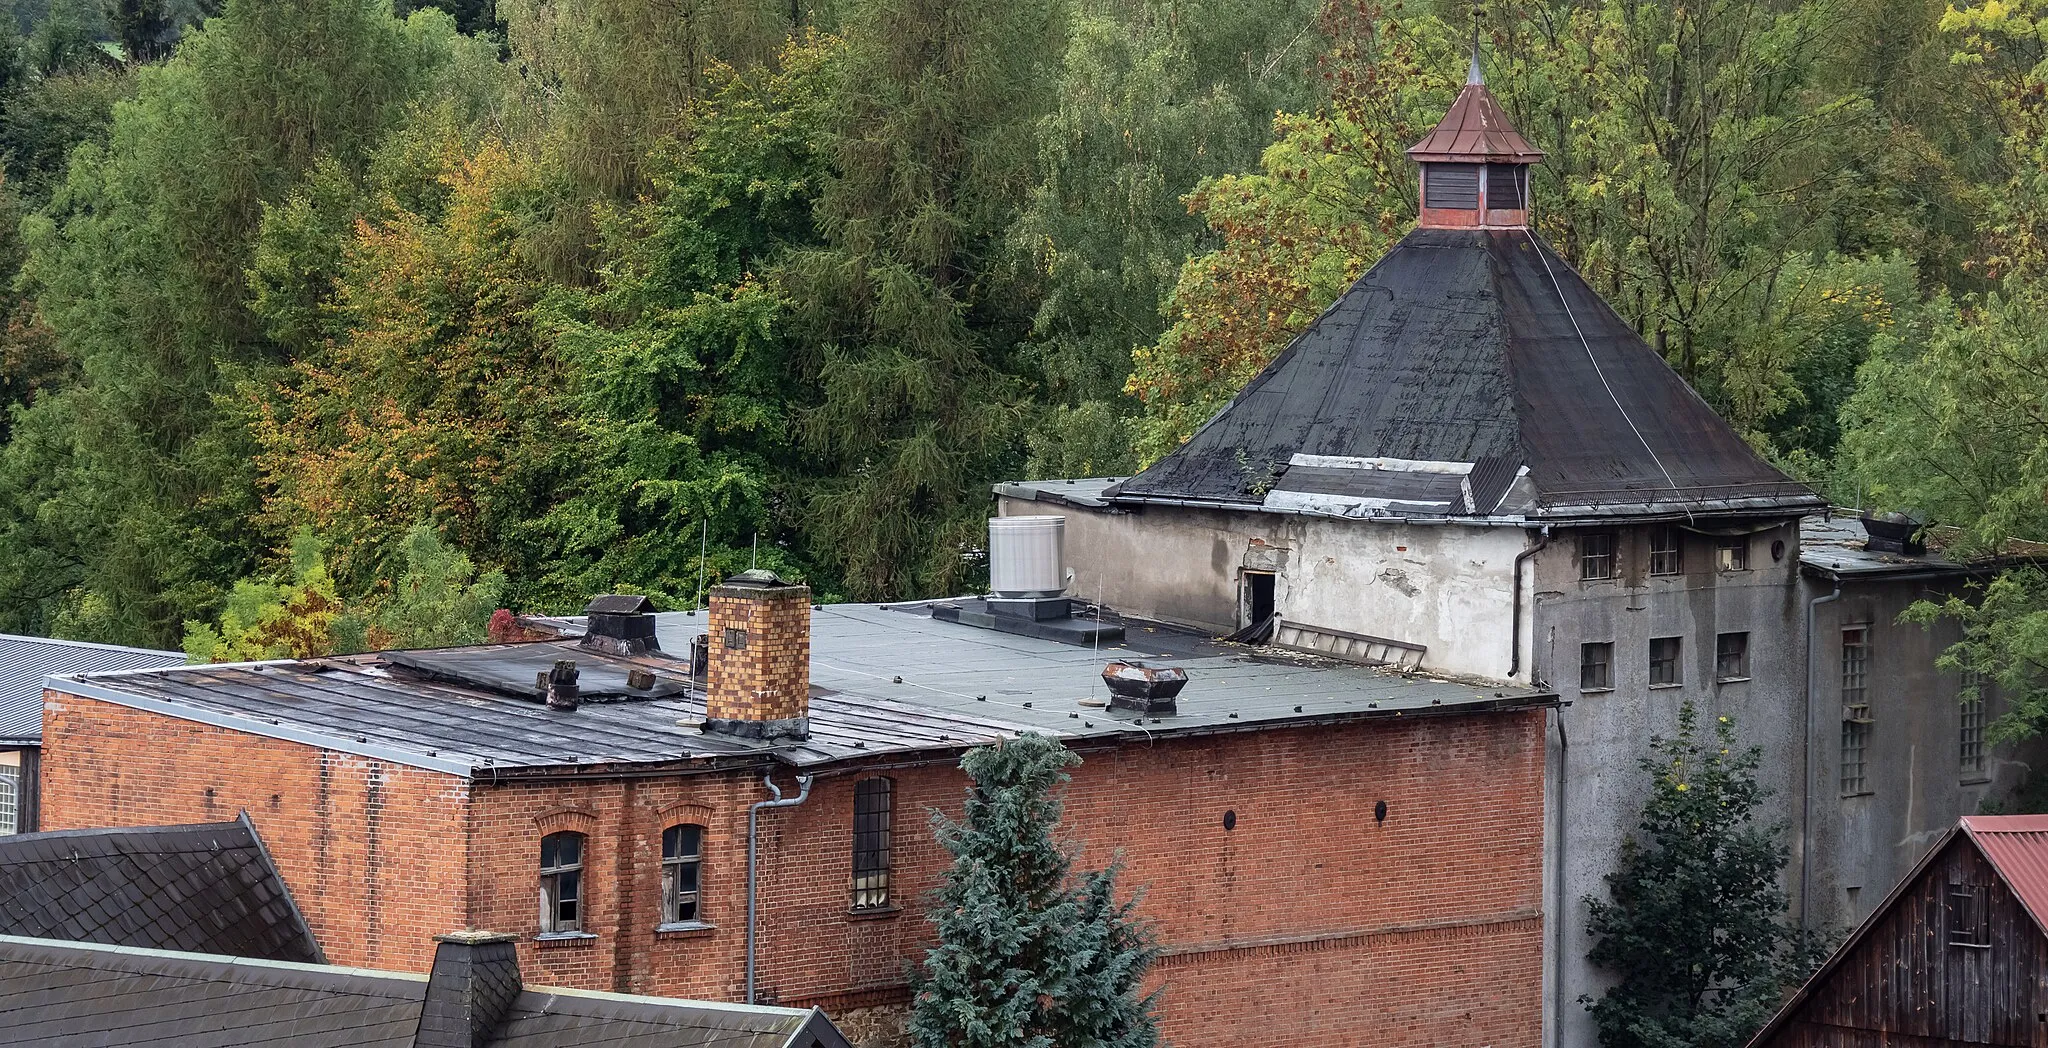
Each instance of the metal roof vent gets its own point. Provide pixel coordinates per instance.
(1143, 687)
(620, 624)
(1894, 533)
(1027, 556)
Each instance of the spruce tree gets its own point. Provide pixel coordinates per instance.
(1694, 924)
(1025, 959)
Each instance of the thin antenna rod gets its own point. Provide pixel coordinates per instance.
(703, 550)
(757, 551)
(1473, 75)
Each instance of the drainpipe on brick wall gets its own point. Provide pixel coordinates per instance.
(1806, 772)
(753, 854)
(1515, 632)
(1564, 759)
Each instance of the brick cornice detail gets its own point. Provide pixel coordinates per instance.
(566, 819)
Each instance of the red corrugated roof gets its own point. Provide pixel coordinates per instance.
(2018, 846)
(1475, 131)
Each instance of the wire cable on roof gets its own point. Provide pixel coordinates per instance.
(1597, 370)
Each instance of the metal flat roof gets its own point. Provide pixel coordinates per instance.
(1084, 491)
(1833, 546)
(884, 680)
(25, 661)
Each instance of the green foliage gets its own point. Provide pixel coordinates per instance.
(297, 617)
(1025, 959)
(1693, 925)
(440, 600)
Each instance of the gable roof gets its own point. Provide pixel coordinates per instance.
(71, 993)
(2015, 845)
(209, 888)
(25, 661)
(1471, 374)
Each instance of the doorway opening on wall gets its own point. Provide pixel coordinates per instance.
(1258, 597)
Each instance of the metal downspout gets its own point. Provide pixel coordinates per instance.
(1806, 771)
(1515, 631)
(753, 852)
(1564, 753)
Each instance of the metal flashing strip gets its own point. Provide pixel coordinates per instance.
(246, 963)
(1390, 465)
(259, 727)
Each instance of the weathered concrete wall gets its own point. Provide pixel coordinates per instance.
(1448, 588)
(1600, 791)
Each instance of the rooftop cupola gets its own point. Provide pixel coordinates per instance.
(1475, 165)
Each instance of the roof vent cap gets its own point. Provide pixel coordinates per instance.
(1143, 687)
(620, 624)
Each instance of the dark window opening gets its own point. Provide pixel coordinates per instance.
(1258, 597)
(1969, 915)
(1667, 551)
(1596, 555)
(873, 800)
(1664, 660)
(1452, 186)
(561, 883)
(1507, 186)
(1596, 666)
(1732, 554)
(682, 873)
(1731, 656)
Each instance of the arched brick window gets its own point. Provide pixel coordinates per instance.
(561, 883)
(682, 874)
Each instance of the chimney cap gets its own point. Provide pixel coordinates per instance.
(475, 937)
(761, 577)
(619, 604)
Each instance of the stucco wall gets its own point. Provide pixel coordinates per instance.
(1448, 588)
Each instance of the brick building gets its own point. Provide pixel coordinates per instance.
(1325, 848)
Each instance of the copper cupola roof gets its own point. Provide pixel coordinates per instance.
(1475, 131)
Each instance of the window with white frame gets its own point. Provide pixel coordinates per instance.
(10, 799)
(1596, 555)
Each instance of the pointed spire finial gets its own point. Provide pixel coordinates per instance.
(1474, 76)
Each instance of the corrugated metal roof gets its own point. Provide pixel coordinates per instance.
(1475, 347)
(25, 661)
(2018, 846)
(883, 681)
(70, 993)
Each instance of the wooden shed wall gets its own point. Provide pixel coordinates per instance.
(1904, 985)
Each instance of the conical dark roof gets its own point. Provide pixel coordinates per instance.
(1470, 373)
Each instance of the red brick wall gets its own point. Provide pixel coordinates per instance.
(1309, 920)
(373, 852)
(1310, 917)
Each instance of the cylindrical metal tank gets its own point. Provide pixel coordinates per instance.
(1027, 556)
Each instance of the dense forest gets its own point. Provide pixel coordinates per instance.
(386, 317)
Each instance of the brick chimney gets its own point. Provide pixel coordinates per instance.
(759, 674)
(470, 990)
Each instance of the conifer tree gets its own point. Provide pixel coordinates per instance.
(1694, 924)
(1026, 960)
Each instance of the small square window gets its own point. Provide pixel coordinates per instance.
(1596, 555)
(1596, 667)
(1732, 554)
(735, 638)
(1731, 656)
(1667, 550)
(1664, 661)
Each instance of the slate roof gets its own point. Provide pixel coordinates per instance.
(209, 888)
(884, 680)
(25, 661)
(1460, 356)
(69, 994)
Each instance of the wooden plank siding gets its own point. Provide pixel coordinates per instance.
(1904, 984)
